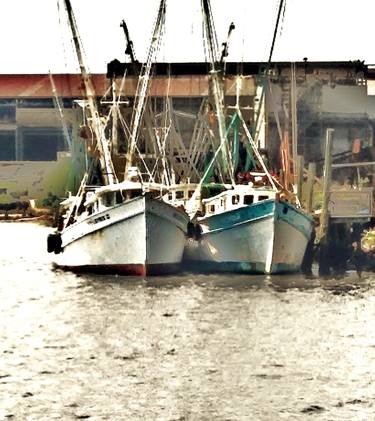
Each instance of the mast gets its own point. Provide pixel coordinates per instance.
(102, 143)
(144, 85)
(258, 126)
(114, 109)
(213, 52)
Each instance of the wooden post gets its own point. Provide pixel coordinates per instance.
(293, 114)
(310, 186)
(300, 166)
(324, 217)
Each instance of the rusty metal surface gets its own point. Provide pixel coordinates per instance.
(69, 85)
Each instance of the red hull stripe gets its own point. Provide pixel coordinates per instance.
(130, 269)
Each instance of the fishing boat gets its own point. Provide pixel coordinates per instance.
(252, 225)
(117, 227)
(247, 229)
(121, 228)
(248, 225)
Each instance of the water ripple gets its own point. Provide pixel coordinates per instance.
(187, 347)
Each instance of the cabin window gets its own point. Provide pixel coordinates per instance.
(248, 199)
(212, 208)
(119, 197)
(190, 193)
(179, 194)
(130, 194)
(235, 199)
(170, 196)
(7, 146)
(107, 199)
(263, 198)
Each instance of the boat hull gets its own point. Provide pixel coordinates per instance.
(139, 237)
(266, 237)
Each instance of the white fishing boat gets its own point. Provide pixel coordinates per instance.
(121, 228)
(118, 227)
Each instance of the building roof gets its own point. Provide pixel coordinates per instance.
(184, 79)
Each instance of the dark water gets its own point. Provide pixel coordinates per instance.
(190, 347)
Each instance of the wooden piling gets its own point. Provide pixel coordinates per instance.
(300, 167)
(324, 216)
(310, 186)
(324, 255)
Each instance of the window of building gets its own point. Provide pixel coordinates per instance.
(7, 145)
(7, 110)
(41, 144)
(36, 103)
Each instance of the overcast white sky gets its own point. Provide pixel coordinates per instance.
(36, 39)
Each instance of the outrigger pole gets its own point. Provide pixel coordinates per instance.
(143, 86)
(102, 143)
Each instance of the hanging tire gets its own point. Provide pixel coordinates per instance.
(197, 232)
(54, 243)
(190, 230)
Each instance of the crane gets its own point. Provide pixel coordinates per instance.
(129, 43)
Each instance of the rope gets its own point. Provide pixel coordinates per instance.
(255, 150)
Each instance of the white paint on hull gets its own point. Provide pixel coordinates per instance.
(138, 232)
(268, 245)
(288, 247)
(243, 243)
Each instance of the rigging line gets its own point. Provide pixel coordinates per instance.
(268, 65)
(282, 19)
(59, 12)
(215, 84)
(167, 129)
(101, 140)
(255, 149)
(281, 4)
(124, 125)
(59, 104)
(210, 32)
(144, 83)
(208, 169)
(73, 209)
(152, 179)
(122, 85)
(160, 151)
